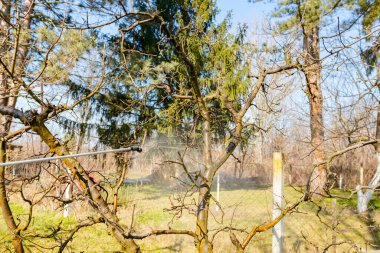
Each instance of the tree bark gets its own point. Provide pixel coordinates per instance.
(7, 98)
(9, 92)
(202, 243)
(85, 182)
(4, 204)
(364, 197)
(312, 71)
(89, 188)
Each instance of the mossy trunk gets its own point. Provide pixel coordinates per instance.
(89, 188)
(202, 242)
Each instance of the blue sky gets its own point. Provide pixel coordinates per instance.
(244, 11)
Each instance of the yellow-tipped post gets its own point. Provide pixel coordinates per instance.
(278, 202)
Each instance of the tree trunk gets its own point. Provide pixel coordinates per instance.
(312, 70)
(89, 188)
(5, 124)
(203, 244)
(8, 97)
(4, 204)
(365, 197)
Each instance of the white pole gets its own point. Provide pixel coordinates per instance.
(67, 205)
(217, 190)
(133, 148)
(278, 202)
(340, 181)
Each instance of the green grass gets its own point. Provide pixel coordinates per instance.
(346, 202)
(243, 208)
(152, 217)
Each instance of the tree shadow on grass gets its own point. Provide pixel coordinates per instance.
(372, 228)
(231, 183)
(368, 218)
(175, 247)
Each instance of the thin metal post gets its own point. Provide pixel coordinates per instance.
(278, 202)
(133, 148)
(340, 181)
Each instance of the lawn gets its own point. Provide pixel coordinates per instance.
(307, 230)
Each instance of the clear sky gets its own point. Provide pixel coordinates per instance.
(243, 11)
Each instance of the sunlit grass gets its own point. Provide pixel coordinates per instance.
(305, 230)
